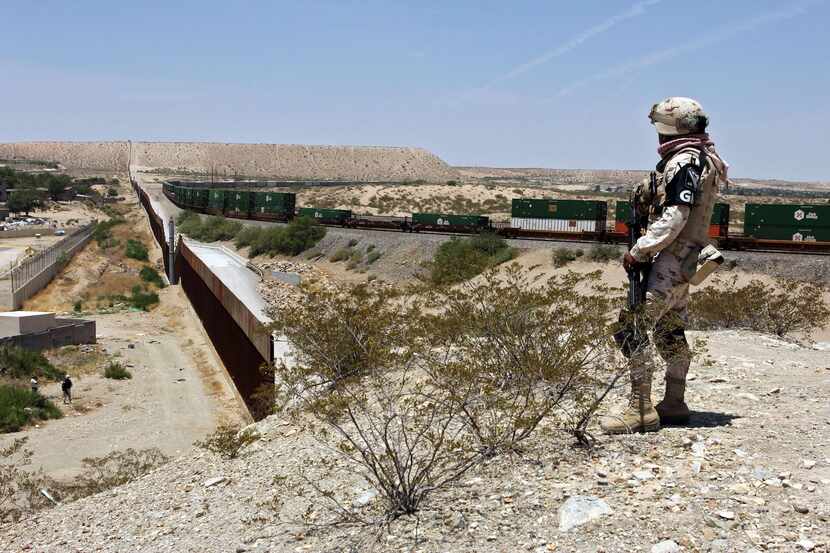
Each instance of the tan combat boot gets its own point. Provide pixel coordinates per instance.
(673, 410)
(640, 416)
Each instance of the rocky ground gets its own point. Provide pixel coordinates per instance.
(750, 473)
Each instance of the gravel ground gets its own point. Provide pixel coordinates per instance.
(750, 473)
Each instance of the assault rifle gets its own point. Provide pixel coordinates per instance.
(630, 329)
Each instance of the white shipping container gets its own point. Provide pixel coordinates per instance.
(556, 225)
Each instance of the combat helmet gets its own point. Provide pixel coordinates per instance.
(678, 115)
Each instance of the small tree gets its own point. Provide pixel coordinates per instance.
(517, 352)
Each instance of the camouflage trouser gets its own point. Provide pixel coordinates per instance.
(666, 313)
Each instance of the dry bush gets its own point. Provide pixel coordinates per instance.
(415, 390)
(19, 489)
(515, 353)
(782, 308)
(356, 374)
(229, 441)
(115, 469)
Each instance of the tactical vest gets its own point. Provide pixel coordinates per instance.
(696, 230)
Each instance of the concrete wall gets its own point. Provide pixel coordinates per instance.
(68, 332)
(281, 161)
(33, 283)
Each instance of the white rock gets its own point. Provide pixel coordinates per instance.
(747, 395)
(806, 545)
(666, 546)
(580, 509)
(643, 475)
(699, 449)
(214, 481)
(727, 515)
(365, 498)
(808, 463)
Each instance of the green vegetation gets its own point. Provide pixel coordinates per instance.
(604, 253)
(461, 259)
(228, 441)
(139, 298)
(151, 275)
(563, 256)
(136, 250)
(294, 238)
(341, 255)
(117, 371)
(24, 364)
(372, 257)
(103, 231)
(19, 406)
(782, 308)
(415, 391)
(208, 229)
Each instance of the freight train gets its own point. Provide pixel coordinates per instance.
(773, 227)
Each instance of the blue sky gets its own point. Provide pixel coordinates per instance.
(515, 84)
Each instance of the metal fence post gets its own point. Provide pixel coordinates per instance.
(171, 251)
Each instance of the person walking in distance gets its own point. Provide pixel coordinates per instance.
(34, 384)
(680, 197)
(66, 388)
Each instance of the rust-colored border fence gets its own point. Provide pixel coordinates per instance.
(240, 339)
(239, 349)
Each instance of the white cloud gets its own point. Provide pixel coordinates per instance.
(720, 35)
(634, 11)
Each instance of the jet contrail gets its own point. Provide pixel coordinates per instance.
(722, 34)
(637, 9)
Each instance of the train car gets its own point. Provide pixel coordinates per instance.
(276, 206)
(718, 224)
(239, 203)
(389, 222)
(216, 201)
(327, 216)
(449, 222)
(790, 222)
(559, 216)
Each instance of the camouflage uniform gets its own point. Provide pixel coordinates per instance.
(687, 181)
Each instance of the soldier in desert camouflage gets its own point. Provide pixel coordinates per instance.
(688, 177)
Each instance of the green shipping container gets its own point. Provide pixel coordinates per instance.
(802, 216)
(239, 201)
(200, 197)
(794, 233)
(720, 214)
(579, 210)
(274, 203)
(326, 215)
(449, 220)
(217, 200)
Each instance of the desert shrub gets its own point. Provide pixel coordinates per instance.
(353, 242)
(248, 236)
(370, 248)
(19, 488)
(228, 441)
(136, 250)
(372, 257)
(141, 299)
(355, 375)
(294, 238)
(150, 274)
(19, 406)
(603, 253)
(103, 231)
(78, 306)
(22, 363)
(782, 308)
(563, 256)
(516, 355)
(341, 255)
(114, 469)
(117, 371)
(461, 259)
(112, 192)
